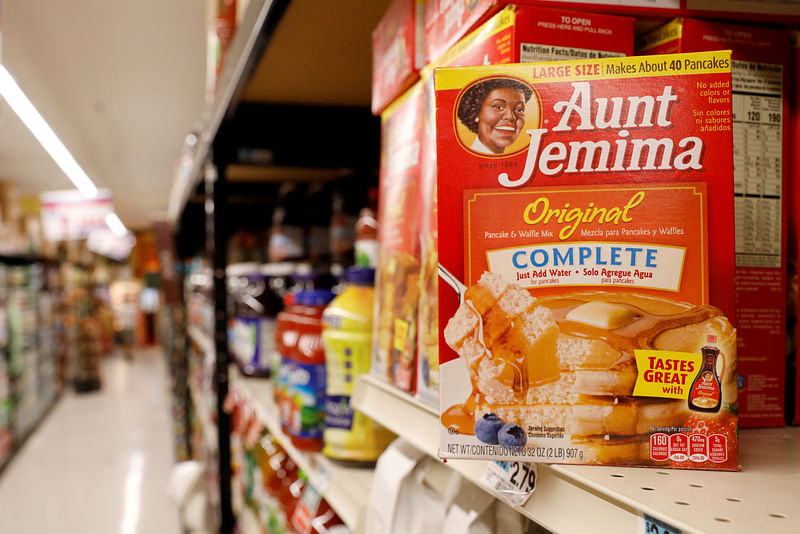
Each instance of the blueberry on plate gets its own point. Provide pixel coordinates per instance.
(512, 435)
(486, 428)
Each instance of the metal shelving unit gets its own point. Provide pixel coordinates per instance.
(763, 496)
(567, 498)
(345, 488)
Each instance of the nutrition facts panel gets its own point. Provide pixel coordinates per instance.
(757, 163)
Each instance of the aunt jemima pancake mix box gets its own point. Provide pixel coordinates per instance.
(794, 231)
(397, 275)
(515, 34)
(759, 75)
(587, 263)
(397, 51)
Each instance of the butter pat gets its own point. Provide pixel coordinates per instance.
(600, 314)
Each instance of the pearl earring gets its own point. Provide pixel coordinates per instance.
(476, 119)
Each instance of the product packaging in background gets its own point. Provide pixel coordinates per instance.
(397, 51)
(759, 74)
(447, 21)
(427, 389)
(397, 276)
(515, 34)
(587, 262)
(520, 34)
(793, 264)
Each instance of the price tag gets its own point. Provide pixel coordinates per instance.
(651, 525)
(514, 481)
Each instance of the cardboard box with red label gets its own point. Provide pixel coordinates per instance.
(515, 34)
(397, 52)
(759, 94)
(397, 275)
(793, 248)
(447, 21)
(586, 262)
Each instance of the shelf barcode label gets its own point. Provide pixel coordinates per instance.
(651, 525)
(513, 481)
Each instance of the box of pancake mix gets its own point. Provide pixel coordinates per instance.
(397, 274)
(519, 34)
(793, 307)
(586, 262)
(447, 22)
(397, 51)
(759, 74)
(514, 35)
(428, 319)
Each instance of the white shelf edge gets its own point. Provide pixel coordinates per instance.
(204, 414)
(345, 488)
(610, 499)
(241, 48)
(202, 339)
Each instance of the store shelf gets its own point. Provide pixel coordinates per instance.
(345, 488)
(204, 415)
(763, 497)
(201, 339)
(241, 54)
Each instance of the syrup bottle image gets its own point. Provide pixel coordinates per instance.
(705, 395)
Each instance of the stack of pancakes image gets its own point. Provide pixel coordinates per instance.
(397, 292)
(563, 366)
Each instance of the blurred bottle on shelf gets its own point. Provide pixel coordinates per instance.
(306, 373)
(347, 339)
(287, 238)
(366, 243)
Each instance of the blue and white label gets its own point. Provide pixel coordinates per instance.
(587, 263)
(513, 481)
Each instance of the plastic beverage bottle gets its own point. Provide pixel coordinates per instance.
(347, 338)
(286, 335)
(306, 376)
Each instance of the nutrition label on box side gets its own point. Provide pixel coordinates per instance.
(534, 53)
(757, 163)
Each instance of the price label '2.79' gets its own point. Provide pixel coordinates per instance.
(514, 481)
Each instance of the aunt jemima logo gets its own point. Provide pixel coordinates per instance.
(583, 113)
(492, 113)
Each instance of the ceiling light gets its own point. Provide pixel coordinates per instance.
(44, 134)
(113, 222)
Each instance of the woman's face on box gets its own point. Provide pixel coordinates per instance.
(501, 118)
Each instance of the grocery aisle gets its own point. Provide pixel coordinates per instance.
(99, 463)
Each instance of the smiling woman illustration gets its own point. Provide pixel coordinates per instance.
(495, 110)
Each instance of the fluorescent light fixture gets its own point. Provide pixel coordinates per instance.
(113, 222)
(44, 134)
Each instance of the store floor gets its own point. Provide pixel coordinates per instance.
(99, 463)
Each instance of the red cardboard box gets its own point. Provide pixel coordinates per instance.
(520, 34)
(587, 263)
(397, 51)
(428, 324)
(515, 34)
(447, 21)
(760, 145)
(397, 275)
(794, 230)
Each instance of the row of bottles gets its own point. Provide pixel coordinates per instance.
(322, 223)
(268, 481)
(324, 343)
(312, 338)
